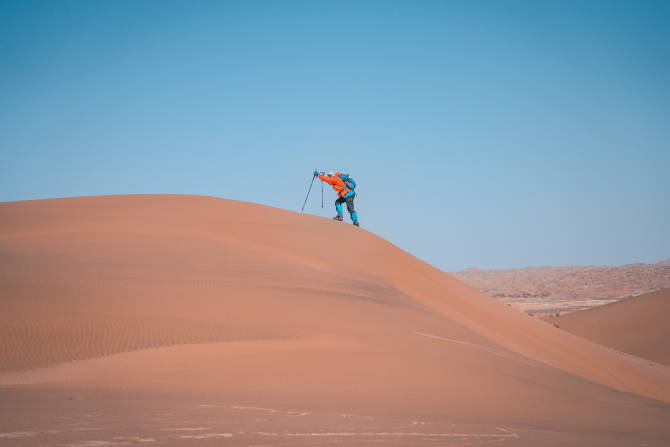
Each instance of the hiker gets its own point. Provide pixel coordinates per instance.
(344, 186)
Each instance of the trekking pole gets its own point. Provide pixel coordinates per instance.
(310, 188)
(321, 194)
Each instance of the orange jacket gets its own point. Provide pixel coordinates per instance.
(337, 183)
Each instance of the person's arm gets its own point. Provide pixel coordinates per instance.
(329, 180)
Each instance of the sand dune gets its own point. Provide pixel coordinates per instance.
(638, 326)
(230, 320)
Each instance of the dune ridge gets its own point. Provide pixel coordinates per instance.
(638, 326)
(241, 304)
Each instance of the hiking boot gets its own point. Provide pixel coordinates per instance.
(357, 224)
(338, 217)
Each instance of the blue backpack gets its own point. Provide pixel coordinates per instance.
(351, 184)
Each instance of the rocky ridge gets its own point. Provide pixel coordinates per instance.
(550, 290)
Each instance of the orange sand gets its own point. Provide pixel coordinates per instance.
(171, 319)
(638, 326)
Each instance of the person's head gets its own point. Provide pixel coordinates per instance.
(330, 174)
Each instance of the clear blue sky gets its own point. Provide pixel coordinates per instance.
(488, 133)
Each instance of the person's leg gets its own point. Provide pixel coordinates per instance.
(350, 208)
(338, 207)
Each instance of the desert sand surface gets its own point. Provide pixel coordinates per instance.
(551, 290)
(191, 320)
(638, 326)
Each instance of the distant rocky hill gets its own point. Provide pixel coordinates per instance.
(545, 290)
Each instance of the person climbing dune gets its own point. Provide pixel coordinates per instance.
(344, 186)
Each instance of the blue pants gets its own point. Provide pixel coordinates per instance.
(350, 206)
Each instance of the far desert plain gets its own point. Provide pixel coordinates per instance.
(197, 321)
(550, 290)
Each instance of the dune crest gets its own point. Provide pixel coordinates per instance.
(254, 306)
(638, 326)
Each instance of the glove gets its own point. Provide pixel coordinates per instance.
(316, 173)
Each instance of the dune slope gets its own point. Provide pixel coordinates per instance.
(638, 326)
(230, 306)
